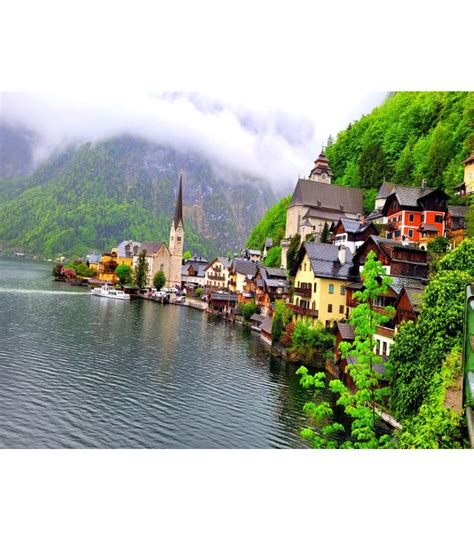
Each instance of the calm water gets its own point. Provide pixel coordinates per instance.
(80, 371)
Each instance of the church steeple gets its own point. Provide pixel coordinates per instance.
(321, 171)
(178, 215)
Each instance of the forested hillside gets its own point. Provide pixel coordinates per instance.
(93, 196)
(412, 136)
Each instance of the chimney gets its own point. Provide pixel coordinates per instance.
(423, 184)
(341, 254)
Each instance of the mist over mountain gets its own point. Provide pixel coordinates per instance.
(92, 195)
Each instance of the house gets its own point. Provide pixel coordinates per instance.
(317, 202)
(252, 255)
(126, 251)
(106, 267)
(216, 274)
(271, 284)
(222, 303)
(397, 258)
(192, 272)
(414, 213)
(467, 187)
(456, 224)
(352, 233)
(321, 273)
(267, 246)
(93, 261)
(408, 304)
(240, 271)
(158, 259)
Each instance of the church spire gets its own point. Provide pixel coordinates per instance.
(321, 171)
(178, 215)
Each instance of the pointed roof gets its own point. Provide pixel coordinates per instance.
(321, 164)
(178, 215)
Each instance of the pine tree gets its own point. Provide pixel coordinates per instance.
(325, 234)
(141, 271)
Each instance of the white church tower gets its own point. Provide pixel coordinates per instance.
(177, 241)
(321, 171)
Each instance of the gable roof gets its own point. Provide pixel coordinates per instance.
(385, 190)
(151, 247)
(329, 196)
(244, 266)
(128, 248)
(457, 211)
(266, 325)
(324, 260)
(351, 225)
(346, 331)
(223, 260)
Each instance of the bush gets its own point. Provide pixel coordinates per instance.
(311, 342)
(281, 317)
(159, 280)
(124, 273)
(273, 258)
(199, 291)
(248, 309)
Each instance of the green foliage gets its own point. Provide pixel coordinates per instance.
(273, 258)
(437, 331)
(325, 234)
(360, 404)
(81, 269)
(57, 270)
(470, 221)
(141, 271)
(159, 280)
(435, 426)
(281, 317)
(248, 309)
(311, 342)
(187, 255)
(199, 291)
(438, 246)
(410, 137)
(369, 200)
(293, 249)
(272, 225)
(124, 273)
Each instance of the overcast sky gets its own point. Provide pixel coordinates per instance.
(266, 136)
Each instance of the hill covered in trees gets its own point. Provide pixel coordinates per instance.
(410, 137)
(92, 196)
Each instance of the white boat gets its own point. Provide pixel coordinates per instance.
(110, 292)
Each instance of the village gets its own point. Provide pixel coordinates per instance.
(326, 244)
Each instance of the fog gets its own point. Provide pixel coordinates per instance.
(272, 137)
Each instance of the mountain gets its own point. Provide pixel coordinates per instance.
(92, 196)
(412, 136)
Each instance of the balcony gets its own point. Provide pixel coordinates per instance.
(216, 277)
(304, 292)
(385, 331)
(303, 311)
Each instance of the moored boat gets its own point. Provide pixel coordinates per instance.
(110, 292)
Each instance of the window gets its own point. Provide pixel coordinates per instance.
(438, 219)
(389, 236)
(329, 308)
(410, 232)
(162, 267)
(411, 217)
(384, 348)
(397, 233)
(341, 308)
(315, 286)
(400, 218)
(304, 266)
(377, 347)
(343, 290)
(179, 239)
(331, 288)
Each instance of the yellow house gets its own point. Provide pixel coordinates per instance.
(321, 274)
(467, 187)
(106, 268)
(241, 272)
(126, 251)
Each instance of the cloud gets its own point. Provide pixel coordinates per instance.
(272, 137)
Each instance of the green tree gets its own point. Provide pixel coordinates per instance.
(187, 255)
(311, 342)
(273, 258)
(281, 317)
(248, 309)
(325, 234)
(359, 405)
(439, 154)
(124, 273)
(199, 291)
(140, 276)
(293, 251)
(159, 280)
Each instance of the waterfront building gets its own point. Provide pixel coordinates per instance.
(192, 272)
(241, 271)
(271, 284)
(222, 302)
(216, 274)
(415, 214)
(321, 273)
(158, 259)
(317, 202)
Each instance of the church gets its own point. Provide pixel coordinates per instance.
(161, 257)
(316, 201)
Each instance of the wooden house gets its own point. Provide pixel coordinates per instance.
(270, 284)
(352, 233)
(241, 271)
(456, 224)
